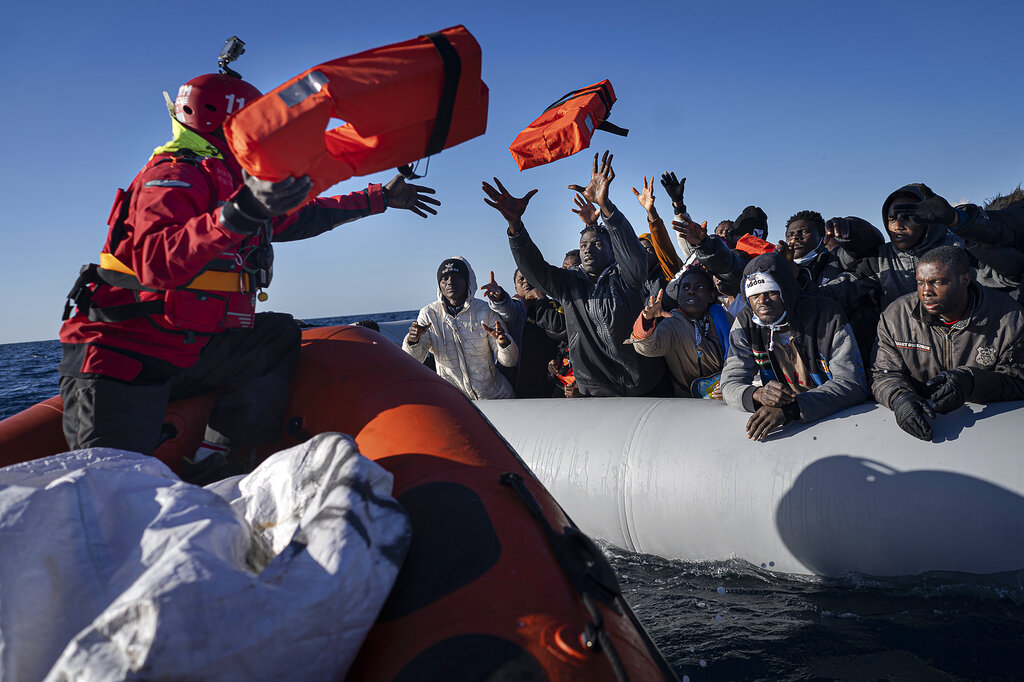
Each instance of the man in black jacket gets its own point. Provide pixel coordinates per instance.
(601, 298)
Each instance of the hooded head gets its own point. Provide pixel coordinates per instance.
(766, 278)
(751, 221)
(456, 281)
(907, 235)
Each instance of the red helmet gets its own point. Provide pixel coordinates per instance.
(205, 101)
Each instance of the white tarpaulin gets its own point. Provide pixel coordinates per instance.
(112, 568)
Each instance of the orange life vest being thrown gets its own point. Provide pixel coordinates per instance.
(400, 103)
(566, 126)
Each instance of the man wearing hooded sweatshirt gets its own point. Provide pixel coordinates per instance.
(994, 235)
(601, 298)
(801, 345)
(464, 334)
(889, 273)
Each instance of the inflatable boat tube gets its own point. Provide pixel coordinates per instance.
(566, 126)
(400, 103)
(498, 583)
(849, 494)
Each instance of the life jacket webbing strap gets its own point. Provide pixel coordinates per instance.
(602, 92)
(609, 127)
(452, 63)
(210, 280)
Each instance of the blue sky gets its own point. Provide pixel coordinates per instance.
(787, 105)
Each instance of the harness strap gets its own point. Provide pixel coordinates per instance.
(210, 280)
(452, 64)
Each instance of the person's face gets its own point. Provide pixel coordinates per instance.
(524, 288)
(695, 295)
(722, 230)
(904, 233)
(595, 253)
(453, 288)
(571, 261)
(768, 306)
(652, 255)
(802, 236)
(942, 293)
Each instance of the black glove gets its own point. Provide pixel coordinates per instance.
(910, 410)
(674, 190)
(841, 228)
(934, 211)
(260, 200)
(950, 389)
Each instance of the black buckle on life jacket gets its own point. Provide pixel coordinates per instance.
(81, 296)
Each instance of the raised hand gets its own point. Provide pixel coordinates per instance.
(674, 190)
(600, 180)
(497, 333)
(646, 198)
(510, 207)
(838, 228)
(587, 212)
(653, 309)
(493, 290)
(416, 331)
(693, 233)
(932, 211)
(782, 248)
(402, 194)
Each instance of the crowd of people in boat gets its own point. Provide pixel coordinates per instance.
(834, 315)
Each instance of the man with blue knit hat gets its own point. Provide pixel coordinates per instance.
(800, 345)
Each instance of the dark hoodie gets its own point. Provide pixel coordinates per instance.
(882, 278)
(821, 336)
(890, 273)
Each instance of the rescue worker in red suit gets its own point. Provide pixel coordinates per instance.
(169, 312)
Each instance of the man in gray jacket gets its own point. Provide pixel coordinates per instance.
(800, 345)
(951, 340)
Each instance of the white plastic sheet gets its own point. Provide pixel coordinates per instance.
(112, 568)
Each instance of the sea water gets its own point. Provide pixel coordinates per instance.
(734, 621)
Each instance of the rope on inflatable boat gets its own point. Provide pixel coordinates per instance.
(592, 576)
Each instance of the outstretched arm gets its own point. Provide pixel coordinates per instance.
(668, 259)
(548, 278)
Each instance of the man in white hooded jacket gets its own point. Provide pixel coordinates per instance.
(464, 334)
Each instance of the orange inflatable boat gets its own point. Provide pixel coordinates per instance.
(566, 126)
(498, 582)
(400, 103)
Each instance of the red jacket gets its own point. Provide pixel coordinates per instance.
(170, 234)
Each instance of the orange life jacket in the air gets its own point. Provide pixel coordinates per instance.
(566, 126)
(400, 103)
